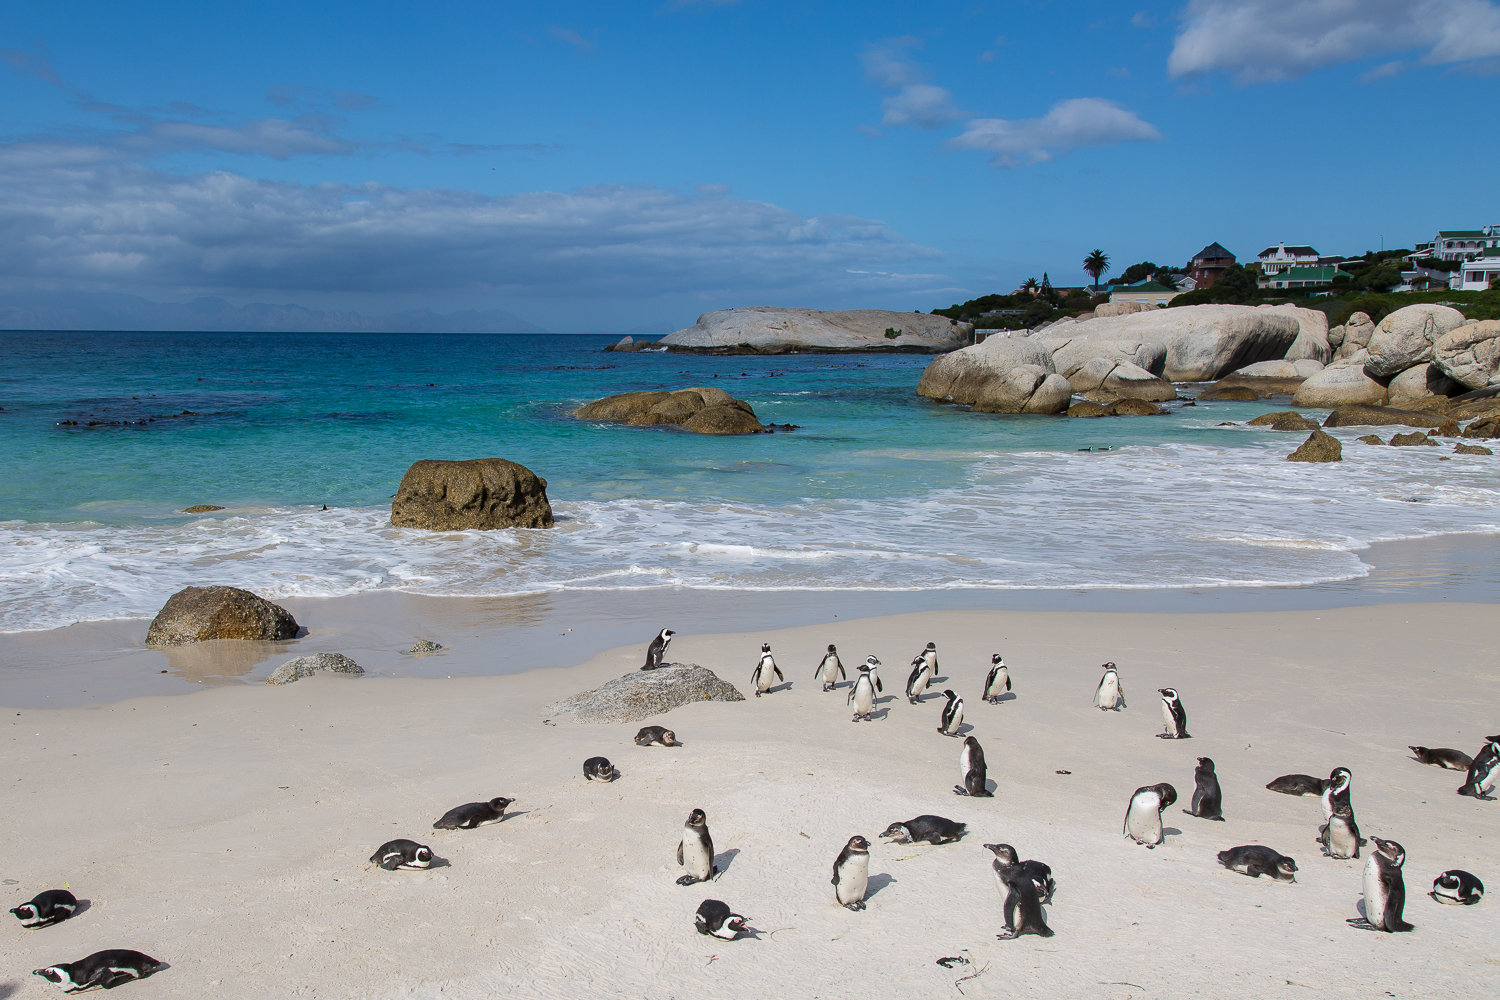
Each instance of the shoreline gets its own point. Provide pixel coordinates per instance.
(96, 663)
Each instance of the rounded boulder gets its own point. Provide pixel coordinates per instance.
(198, 614)
(480, 493)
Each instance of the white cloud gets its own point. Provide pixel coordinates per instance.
(916, 102)
(1260, 41)
(586, 46)
(1082, 121)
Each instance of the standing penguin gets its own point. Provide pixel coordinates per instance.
(1109, 695)
(851, 873)
(1340, 835)
(921, 676)
(1485, 770)
(695, 851)
(998, 681)
(830, 669)
(1143, 818)
(658, 649)
(1023, 906)
(971, 771)
(862, 694)
(1385, 889)
(760, 677)
(1336, 792)
(953, 714)
(1174, 714)
(1039, 873)
(929, 657)
(1208, 801)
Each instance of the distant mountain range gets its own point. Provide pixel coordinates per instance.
(114, 311)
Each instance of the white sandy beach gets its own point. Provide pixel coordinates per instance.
(226, 832)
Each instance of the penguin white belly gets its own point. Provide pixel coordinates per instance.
(854, 879)
(1143, 820)
(763, 679)
(830, 671)
(999, 685)
(1374, 893)
(864, 698)
(965, 763)
(696, 858)
(952, 724)
(919, 686)
(1108, 695)
(1166, 714)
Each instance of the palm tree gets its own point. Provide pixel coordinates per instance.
(1167, 278)
(1030, 285)
(1096, 264)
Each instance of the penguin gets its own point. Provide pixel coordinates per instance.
(655, 736)
(760, 677)
(971, 770)
(695, 851)
(862, 693)
(830, 669)
(472, 815)
(1023, 904)
(46, 908)
(933, 829)
(1174, 714)
(1336, 791)
(1297, 784)
(1208, 800)
(1385, 889)
(598, 769)
(1143, 817)
(929, 657)
(851, 873)
(1484, 771)
(405, 854)
(1040, 874)
(953, 714)
(1451, 760)
(107, 969)
(998, 681)
(1256, 860)
(921, 675)
(714, 917)
(1457, 888)
(1109, 696)
(1340, 835)
(658, 649)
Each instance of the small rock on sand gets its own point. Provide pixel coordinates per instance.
(642, 694)
(306, 666)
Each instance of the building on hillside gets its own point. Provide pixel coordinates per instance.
(1302, 277)
(1152, 293)
(1464, 244)
(1479, 272)
(1420, 278)
(1274, 260)
(1207, 264)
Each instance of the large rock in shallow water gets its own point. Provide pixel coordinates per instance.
(998, 376)
(771, 330)
(481, 493)
(197, 614)
(306, 666)
(1470, 354)
(701, 409)
(1406, 337)
(1385, 416)
(1424, 381)
(645, 693)
(1340, 384)
(1319, 447)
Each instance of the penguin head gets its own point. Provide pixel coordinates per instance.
(997, 660)
(666, 635)
(668, 737)
(1447, 880)
(932, 647)
(1206, 764)
(735, 922)
(951, 695)
(1167, 792)
(24, 912)
(1170, 694)
(1286, 869)
(857, 845)
(832, 648)
(1004, 853)
(871, 661)
(765, 647)
(1111, 666)
(897, 830)
(500, 804)
(1339, 778)
(1392, 850)
(697, 818)
(422, 856)
(57, 975)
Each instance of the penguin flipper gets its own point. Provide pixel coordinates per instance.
(878, 686)
(679, 852)
(842, 676)
(779, 676)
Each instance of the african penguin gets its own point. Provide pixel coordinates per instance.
(851, 873)
(1336, 790)
(1457, 888)
(714, 917)
(471, 815)
(405, 854)
(695, 851)
(1451, 760)
(1023, 906)
(655, 736)
(1174, 714)
(658, 649)
(1109, 695)
(830, 669)
(1143, 817)
(933, 829)
(953, 715)
(1040, 874)
(1340, 835)
(862, 693)
(1298, 784)
(998, 681)
(106, 969)
(1385, 889)
(760, 677)
(598, 769)
(1208, 800)
(971, 770)
(46, 908)
(1484, 771)
(921, 676)
(1256, 860)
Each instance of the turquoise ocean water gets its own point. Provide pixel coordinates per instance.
(877, 490)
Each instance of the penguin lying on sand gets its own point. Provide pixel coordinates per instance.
(107, 969)
(933, 829)
(714, 917)
(406, 854)
(1256, 860)
(46, 908)
(472, 815)
(1457, 887)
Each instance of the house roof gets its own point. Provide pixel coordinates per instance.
(1462, 234)
(1294, 251)
(1212, 251)
(1145, 286)
(1308, 274)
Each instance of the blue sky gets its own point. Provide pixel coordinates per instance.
(601, 166)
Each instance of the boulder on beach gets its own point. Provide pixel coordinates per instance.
(1229, 393)
(701, 409)
(1342, 382)
(1470, 354)
(1284, 420)
(1320, 446)
(1312, 334)
(1260, 386)
(1070, 354)
(480, 493)
(306, 666)
(998, 376)
(1105, 380)
(773, 330)
(1119, 408)
(644, 693)
(1354, 335)
(1123, 308)
(1300, 369)
(198, 614)
(1421, 382)
(1384, 416)
(1406, 338)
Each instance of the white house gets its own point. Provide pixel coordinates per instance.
(1464, 244)
(1479, 272)
(1280, 257)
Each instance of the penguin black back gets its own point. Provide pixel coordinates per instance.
(1451, 760)
(472, 815)
(1297, 784)
(1208, 800)
(933, 829)
(106, 969)
(598, 769)
(972, 770)
(46, 908)
(1256, 860)
(1457, 887)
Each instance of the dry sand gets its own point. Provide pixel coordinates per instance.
(227, 832)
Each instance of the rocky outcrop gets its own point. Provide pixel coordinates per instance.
(1385, 416)
(1119, 408)
(1421, 382)
(1341, 383)
(1412, 438)
(1319, 447)
(1300, 369)
(306, 666)
(1122, 309)
(481, 493)
(645, 693)
(702, 410)
(198, 614)
(1312, 334)
(771, 330)
(1471, 449)
(1237, 386)
(1470, 354)
(1406, 337)
(1229, 393)
(1284, 420)
(1354, 334)
(1070, 354)
(1489, 427)
(998, 376)
(1105, 380)
(628, 344)
(200, 508)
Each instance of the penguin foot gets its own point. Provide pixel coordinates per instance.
(689, 880)
(960, 790)
(1008, 934)
(1361, 923)
(757, 694)
(858, 904)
